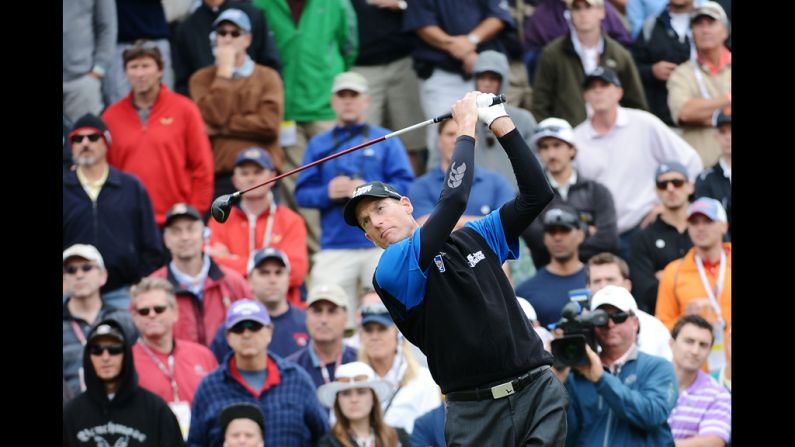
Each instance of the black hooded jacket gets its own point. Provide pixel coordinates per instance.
(134, 417)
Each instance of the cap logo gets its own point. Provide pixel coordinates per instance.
(362, 190)
(456, 175)
(389, 190)
(252, 153)
(246, 309)
(179, 209)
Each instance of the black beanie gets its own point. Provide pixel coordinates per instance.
(89, 120)
(242, 411)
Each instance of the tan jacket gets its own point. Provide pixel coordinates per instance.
(682, 87)
(240, 113)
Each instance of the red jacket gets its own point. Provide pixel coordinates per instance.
(199, 320)
(288, 235)
(192, 362)
(171, 154)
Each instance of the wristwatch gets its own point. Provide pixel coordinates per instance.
(472, 37)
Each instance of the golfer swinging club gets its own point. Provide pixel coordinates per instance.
(447, 293)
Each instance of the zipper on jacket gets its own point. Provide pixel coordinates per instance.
(198, 310)
(95, 218)
(606, 442)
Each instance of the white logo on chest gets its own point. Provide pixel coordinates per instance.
(474, 258)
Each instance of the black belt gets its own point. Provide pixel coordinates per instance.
(501, 390)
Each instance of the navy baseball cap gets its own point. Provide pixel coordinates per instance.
(372, 189)
(263, 254)
(671, 166)
(561, 216)
(235, 17)
(256, 155)
(376, 313)
(603, 73)
(180, 210)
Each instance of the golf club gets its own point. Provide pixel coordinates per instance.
(223, 204)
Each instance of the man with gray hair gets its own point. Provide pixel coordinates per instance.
(83, 275)
(165, 367)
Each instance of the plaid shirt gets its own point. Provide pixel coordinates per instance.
(293, 415)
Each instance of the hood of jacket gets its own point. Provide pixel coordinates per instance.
(493, 61)
(128, 379)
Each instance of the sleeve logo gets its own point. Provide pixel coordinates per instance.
(456, 175)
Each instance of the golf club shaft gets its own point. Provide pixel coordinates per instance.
(496, 100)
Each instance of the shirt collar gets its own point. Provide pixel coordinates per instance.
(725, 59)
(244, 70)
(622, 120)
(618, 365)
(572, 180)
(727, 170)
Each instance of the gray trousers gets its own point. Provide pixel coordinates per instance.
(535, 416)
(82, 95)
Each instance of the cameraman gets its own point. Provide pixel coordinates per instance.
(624, 396)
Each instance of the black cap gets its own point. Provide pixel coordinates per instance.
(106, 330)
(94, 122)
(242, 411)
(561, 216)
(180, 210)
(606, 74)
(372, 189)
(723, 119)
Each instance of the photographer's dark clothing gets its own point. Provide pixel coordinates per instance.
(630, 408)
(134, 417)
(652, 249)
(448, 294)
(549, 292)
(595, 206)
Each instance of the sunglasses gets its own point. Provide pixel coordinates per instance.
(663, 184)
(356, 378)
(223, 33)
(241, 327)
(97, 350)
(144, 311)
(618, 318)
(72, 269)
(92, 137)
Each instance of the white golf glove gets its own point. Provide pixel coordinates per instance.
(487, 113)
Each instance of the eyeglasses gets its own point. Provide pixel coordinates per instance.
(663, 184)
(97, 350)
(223, 33)
(617, 317)
(241, 327)
(72, 269)
(92, 137)
(356, 378)
(144, 311)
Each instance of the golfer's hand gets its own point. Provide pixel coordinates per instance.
(465, 114)
(488, 114)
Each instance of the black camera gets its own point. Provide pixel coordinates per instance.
(578, 329)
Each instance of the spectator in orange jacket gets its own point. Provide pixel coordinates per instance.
(258, 222)
(159, 136)
(700, 282)
(204, 289)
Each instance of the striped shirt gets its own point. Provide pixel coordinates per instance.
(703, 409)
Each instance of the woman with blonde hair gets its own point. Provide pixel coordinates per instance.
(356, 395)
(383, 348)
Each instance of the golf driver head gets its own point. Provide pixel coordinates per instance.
(222, 206)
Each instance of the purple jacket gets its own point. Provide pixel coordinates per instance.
(548, 23)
